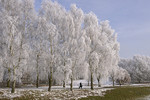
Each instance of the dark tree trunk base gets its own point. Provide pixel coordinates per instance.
(92, 82)
(71, 84)
(13, 87)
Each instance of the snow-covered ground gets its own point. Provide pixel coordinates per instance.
(144, 98)
(55, 94)
(147, 84)
(58, 92)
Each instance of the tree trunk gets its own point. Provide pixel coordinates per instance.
(120, 82)
(50, 81)
(37, 81)
(14, 81)
(71, 83)
(113, 82)
(8, 83)
(64, 81)
(139, 80)
(37, 69)
(13, 86)
(98, 80)
(64, 84)
(72, 77)
(92, 81)
(8, 80)
(51, 67)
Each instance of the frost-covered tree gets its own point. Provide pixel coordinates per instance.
(108, 50)
(76, 46)
(68, 25)
(15, 50)
(13, 53)
(55, 43)
(93, 63)
(122, 76)
(38, 46)
(101, 40)
(91, 30)
(55, 14)
(51, 50)
(63, 71)
(27, 27)
(112, 76)
(54, 17)
(140, 65)
(13, 37)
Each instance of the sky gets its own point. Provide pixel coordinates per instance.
(129, 18)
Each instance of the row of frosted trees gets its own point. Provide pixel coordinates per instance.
(55, 44)
(138, 67)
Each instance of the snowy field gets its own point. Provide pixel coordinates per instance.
(145, 98)
(57, 93)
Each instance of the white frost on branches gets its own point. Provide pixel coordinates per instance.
(54, 45)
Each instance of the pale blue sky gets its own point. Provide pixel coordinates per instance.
(129, 18)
